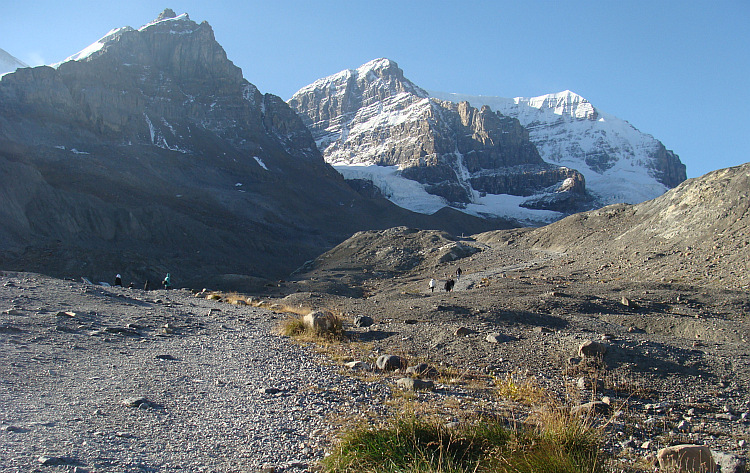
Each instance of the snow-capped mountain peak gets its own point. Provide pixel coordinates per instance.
(376, 65)
(379, 73)
(167, 15)
(374, 124)
(620, 163)
(9, 63)
(565, 103)
(178, 24)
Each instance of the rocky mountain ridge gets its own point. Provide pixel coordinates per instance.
(148, 152)
(375, 116)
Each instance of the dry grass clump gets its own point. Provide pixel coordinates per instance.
(522, 389)
(410, 444)
(295, 327)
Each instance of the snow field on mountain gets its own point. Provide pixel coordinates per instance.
(412, 195)
(566, 129)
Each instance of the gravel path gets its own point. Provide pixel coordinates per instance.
(216, 390)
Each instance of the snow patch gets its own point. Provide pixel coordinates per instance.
(178, 18)
(157, 137)
(260, 162)
(90, 50)
(412, 195)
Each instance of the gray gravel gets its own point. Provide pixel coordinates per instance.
(140, 381)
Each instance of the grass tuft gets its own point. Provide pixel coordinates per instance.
(522, 389)
(295, 327)
(409, 444)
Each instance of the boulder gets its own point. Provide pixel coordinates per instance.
(686, 459)
(322, 322)
(391, 363)
(592, 349)
(729, 462)
(413, 384)
(363, 321)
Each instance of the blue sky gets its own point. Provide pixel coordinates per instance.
(675, 69)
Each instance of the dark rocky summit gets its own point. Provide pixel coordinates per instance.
(374, 115)
(149, 152)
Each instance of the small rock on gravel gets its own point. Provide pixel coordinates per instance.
(413, 384)
(496, 337)
(136, 402)
(363, 321)
(391, 362)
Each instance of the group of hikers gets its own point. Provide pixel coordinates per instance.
(166, 283)
(449, 282)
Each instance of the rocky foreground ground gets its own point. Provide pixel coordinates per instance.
(676, 370)
(122, 380)
(113, 379)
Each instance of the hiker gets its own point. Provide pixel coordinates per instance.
(118, 280)
(432, 285)
(458, 273)
(147, 286)
(449, 285)
(167, 283)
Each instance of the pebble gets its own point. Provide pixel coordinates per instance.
(462, 332)
(50, 460)
(136, 402)
(422, 369)
(358, 366)
(496, 337)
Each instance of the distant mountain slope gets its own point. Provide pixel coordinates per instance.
(698, 232)
(373, 124)
(148, 152)
(620, 163)
(9, 63)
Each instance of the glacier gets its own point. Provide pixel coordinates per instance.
(568, 130)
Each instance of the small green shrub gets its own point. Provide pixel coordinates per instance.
(412, 445)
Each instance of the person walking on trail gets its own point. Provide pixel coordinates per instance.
(118, 280)
(449, 285)
(432, 285)
(167, 283)
(458, 273)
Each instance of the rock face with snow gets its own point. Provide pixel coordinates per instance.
(374, 116)
(148, 152)
(620, 163)
(8, 63)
